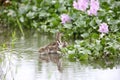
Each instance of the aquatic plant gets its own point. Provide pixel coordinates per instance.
(87, 22)
(65, 18)
(81, 4)
(103, 28)
(92, 45)
(94, 7)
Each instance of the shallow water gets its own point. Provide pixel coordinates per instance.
(21, 61)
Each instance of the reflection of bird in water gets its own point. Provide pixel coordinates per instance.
(55, 58)
(55, 46)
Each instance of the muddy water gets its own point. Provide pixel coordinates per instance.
(20, 60)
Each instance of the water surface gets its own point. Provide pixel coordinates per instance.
(20, 60)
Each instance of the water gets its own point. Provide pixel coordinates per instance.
(23, 62)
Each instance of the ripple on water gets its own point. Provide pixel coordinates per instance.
(31, 66)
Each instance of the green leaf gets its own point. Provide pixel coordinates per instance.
(95, 35)
(68, 26)
(83, 57)
(85, 35)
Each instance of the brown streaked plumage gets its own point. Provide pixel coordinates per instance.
(54, 46)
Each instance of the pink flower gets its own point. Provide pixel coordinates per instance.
(103, 28)
(65, 18)
(95, 4)
(76, 5)
(92, 11)
(81, 4)
(94, 7)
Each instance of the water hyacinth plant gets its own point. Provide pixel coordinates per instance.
(81, 4)
(103, 28)
(94, 23)
(65, 18)
(94, 7)
(91, 44)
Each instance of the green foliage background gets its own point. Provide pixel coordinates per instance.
(44, 16)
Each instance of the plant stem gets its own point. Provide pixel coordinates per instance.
(18, 22)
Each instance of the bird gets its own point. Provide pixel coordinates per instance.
(55, 46)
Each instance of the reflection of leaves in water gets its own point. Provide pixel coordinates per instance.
(101, 63)
(1, 72)
(8, 64)
(13, 39)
